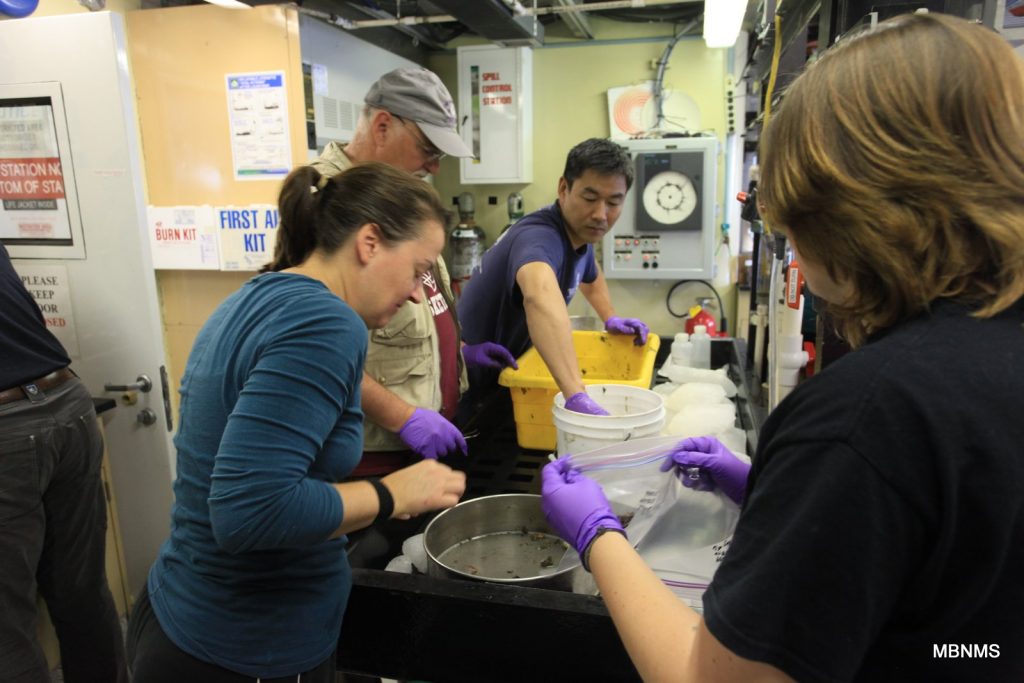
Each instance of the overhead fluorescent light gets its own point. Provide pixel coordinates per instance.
(722, 20)
(229, 4)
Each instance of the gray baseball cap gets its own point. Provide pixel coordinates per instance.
(419, 95)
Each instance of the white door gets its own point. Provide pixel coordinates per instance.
(81, 61)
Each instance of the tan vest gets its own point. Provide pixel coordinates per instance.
(403, 356)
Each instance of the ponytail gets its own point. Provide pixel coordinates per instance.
(322, 212)
(298, 203)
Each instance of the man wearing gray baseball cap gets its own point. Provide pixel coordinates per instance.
(408, 121)
(419, 95)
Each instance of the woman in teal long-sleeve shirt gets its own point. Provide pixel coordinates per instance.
(253, 581)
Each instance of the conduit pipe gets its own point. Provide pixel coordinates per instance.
(526, 11)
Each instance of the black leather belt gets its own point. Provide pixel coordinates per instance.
(30, 391)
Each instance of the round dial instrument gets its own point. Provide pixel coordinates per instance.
(670, 197)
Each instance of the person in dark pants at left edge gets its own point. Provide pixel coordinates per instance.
(53, 516)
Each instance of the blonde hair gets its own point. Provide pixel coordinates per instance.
(897, 163)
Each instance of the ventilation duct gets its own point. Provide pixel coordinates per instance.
(494, 21)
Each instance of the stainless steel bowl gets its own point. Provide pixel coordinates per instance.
(501, 539)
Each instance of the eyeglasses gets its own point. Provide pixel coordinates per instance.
(432, 154)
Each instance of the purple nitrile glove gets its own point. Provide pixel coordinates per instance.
(617, 325)
(704, 456)
(575, 505)
(582, 403)
(488, 355)
(428, 433)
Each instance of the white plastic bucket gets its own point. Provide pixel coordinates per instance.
(635, 413)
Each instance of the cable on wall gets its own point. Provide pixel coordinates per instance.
(721, 308)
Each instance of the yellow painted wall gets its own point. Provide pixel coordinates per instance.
(179, 59)
(570, 104)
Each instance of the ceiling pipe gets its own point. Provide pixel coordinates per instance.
(609, 4)
(351, 25)
(375, 24)
(498, 21)
(526, 11)
(576, 21)
(416, 36)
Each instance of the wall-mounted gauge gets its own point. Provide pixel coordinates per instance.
(667, 225)
(670, 185)
(669, 197)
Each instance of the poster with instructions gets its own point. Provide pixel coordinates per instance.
(258, 116)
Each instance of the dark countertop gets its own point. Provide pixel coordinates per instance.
(408, 626)
(415, 627)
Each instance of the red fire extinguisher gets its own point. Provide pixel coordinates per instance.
(698, 316)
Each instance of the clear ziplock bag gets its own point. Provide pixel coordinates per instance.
(681, 533)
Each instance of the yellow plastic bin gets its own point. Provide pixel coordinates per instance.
(604, 359)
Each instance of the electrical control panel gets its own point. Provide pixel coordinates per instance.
(667, 226)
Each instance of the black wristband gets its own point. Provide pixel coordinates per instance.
(585, 558)
(386, 504)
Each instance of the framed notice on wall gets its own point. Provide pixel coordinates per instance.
(39, 215)
(258, 117)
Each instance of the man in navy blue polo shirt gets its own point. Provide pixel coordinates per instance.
(520, 293)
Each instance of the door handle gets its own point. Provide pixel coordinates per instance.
(165, 386)
(142, 383)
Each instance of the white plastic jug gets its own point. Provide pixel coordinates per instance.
(701, 341)
(682, 350)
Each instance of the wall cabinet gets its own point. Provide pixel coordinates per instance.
(496, 113)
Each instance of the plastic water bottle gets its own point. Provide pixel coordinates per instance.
(701, 342)
(682, 350)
